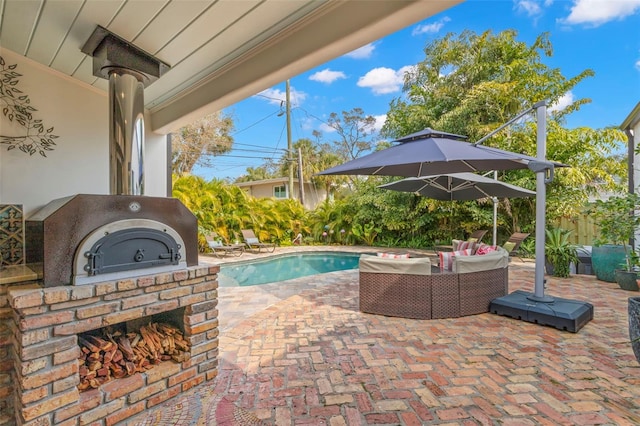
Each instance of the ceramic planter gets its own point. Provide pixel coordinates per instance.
(627, 280)
(605, 259)
(634, 325)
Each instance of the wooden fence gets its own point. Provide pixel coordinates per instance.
(584, 230)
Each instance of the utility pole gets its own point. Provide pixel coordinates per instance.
(289, 144)
(300, 177)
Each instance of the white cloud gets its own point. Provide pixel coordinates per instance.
(380, 119)
(638, 64)
(363, 52)
(327, 76)
(325, 128)
(529, 7)
(277, 96)
(430, 28)
(597, 12)
(564, 101)
(384, 80)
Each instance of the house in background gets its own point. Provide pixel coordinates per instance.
(631, 126)
(278, 188)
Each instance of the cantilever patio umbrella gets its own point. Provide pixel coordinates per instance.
(430, 152)
(460, 187)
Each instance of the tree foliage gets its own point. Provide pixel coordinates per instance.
(227, 209)
(355, 133)
(197, 142)
(470, 84)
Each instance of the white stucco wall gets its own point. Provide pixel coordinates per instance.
(80, 162)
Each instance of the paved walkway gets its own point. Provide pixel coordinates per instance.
(300, 353)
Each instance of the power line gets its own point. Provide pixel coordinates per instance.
(255, 123)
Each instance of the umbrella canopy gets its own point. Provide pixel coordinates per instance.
(430, 152)
(458, 186)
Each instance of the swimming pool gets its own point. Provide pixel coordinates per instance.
(285, 267)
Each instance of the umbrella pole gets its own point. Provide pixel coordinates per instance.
(541, 204)
(495, 221)
(495, 213)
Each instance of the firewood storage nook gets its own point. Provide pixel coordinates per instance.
(40, 350)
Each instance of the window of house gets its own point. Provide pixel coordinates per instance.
(280, 191)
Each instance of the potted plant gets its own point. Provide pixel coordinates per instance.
(559, 252)
(618, 221)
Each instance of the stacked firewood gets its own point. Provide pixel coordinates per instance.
(116, 354)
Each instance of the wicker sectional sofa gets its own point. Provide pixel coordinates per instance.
(413, 288)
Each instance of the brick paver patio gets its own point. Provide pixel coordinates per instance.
(300, 353)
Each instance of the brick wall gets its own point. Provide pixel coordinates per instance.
(39, 343)
(6, 360)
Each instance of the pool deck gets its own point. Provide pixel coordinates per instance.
(302, 354)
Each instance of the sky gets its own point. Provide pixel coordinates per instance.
(602, 35)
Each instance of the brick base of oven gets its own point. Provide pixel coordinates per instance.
(40, 344)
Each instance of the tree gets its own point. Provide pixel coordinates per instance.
(317, 157)
(470, 84)
(195, 143)
(355, 132)
(266, 171)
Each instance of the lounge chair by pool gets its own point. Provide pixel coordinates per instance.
(253, 243)
(222, 247)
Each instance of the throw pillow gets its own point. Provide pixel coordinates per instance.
(393, 255)
(508, 246)
(464, 245)
(485, 248)
(445, 259)
(252, 241)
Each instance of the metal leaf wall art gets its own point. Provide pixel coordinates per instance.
(16, 107)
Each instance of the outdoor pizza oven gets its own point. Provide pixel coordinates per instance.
(85, 239)
(89, 238)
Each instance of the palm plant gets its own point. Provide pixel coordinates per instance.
(559, 251)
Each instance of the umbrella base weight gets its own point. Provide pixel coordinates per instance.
(563, 314)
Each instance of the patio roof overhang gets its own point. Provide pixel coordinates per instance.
(220, 52)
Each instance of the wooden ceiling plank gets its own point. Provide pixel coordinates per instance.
(50, 33)
(18, 20)
(207, 26)
(134, 17)
(92, 14)
(169, 23)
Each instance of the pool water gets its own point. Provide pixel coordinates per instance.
(285, 267)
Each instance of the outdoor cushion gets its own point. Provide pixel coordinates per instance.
(215, 243)
(484, 249)
(464, 244)
(494, 260)
(381, 265)
(508, 246)
(252, 241)
(393, 255)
